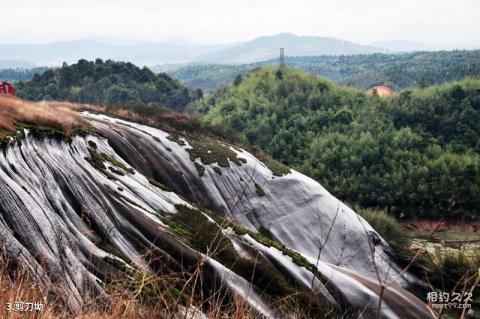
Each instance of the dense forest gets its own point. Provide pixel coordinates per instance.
(109, 83)
(362, 71)
(416, 154)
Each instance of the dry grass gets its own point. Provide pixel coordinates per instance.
(19, 288)
(145, 296)
(63, 116)
(56, 115)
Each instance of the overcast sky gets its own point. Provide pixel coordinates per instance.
(215, 21)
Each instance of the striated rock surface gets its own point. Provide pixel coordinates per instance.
(59, 201)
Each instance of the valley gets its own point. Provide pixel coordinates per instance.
(280, 195)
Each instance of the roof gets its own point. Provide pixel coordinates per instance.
(382, 90)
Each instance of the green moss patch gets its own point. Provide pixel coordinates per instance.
(128, 200)
(217, 170)
(210, 152)
(207, 237)
(5, 136)
(50, 132)
(116, 163)
(260, 192)
(116, 171)
(175, 138)
(97, 160)
(42, 131)
(267, 239)
(159, 185)
(200, 169)
(277, 168)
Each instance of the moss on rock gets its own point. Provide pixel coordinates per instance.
(175, 138)
(260, 192)
(217, 170)
(277, 168)
(207, 236)
(210, 152)
(159, 185)
(97, 160)
(200, 169)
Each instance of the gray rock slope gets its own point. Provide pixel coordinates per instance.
(48, 185)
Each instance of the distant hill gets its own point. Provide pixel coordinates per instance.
(407, 46)
(19, 74)
(267, 47)
(56, 53)
(361, 71)
(15, 64)
(178, 50)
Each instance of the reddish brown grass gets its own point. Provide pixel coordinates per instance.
(56, 115)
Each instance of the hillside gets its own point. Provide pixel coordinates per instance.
(267, 47)
(415, 154)
(184, 220)
(19, 74)
(407, 46)
(361, 71)
(172, 51)
(109, 83)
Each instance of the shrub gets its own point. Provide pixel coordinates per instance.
(389, 229)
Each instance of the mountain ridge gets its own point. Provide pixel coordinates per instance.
(179, 50)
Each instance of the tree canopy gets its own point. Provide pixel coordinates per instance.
(107, 82)
(362, 71)
(415, 153)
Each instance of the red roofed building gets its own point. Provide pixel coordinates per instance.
(7, 88)
(382, 90)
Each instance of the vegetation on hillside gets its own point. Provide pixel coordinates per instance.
(108, 83)
(362, 71)
(414, 154)
(14, 75)
(53, 119)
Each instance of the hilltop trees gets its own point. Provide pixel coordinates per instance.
(107, 82)
(415, 154)
(416, 69)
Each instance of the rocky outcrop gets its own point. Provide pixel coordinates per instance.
(62, 199)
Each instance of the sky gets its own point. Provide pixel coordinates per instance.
(221, 21)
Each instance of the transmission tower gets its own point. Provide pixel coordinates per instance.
(282, 59)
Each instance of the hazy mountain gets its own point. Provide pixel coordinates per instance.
(114, 41)
(180, 50)
(57, 52)
(177, 50)
(267, 47)
(71, 51)
(407, 46)
(16, 64)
